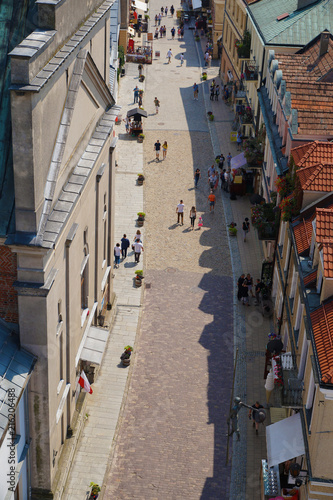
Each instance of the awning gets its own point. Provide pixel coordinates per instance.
(238, 161)
(141, 5)
(197, 4)
(137, 112)
(284, 440)
(94, 345)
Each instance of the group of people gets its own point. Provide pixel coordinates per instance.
(214, 91)
(164, 11)
(245, 289)
(138, 95)
(120, 250)
(157, 149)
(193, 215)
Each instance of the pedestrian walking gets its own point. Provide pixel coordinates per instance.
(125, 243)
(140, 68)
(140, 98)
(222, 179)
(156, 19)
(162, 10)
(211, 170)
(200, 222)
(136, 94)
(245, 293)
(166, 11)
(169, 55)
(125, 120)
(259, 286)
(161, 31)
(172, 10)
(159, 19)
(180, 212)
(195, 91)
(229, 158)
(221, 161)
(193, 216)
(197, 176)
(240, 286)
(246, 227)
(212, 93)
(209, 61)
(164, 31)
(157, 104)
(239, 140)
(217, 92)
(249, 280)
(116, 252)
(173, 31)
(206, 58)
(137, 236)
(157, 148)
(164, 149)
(226, 181)
(211, 199)
(255, 415)
(156, 34)
(181, 59)
(181, 33)
(138, 248)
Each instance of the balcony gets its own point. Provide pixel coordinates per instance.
(267, 231)
(251, 71)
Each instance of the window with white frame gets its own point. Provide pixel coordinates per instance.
(282, 233)
(287, 256)
(293, 283)
(85, 273)
(304, 355)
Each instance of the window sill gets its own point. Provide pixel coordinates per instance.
(60, 386)
(84, 315)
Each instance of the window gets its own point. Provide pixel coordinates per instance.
(85, 273)
(287, 256)
(302, 362)
(320, 282)
(282, 233)
(293, 283)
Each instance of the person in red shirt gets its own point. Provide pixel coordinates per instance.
(211, 199)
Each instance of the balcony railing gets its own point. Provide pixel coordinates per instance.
(251, 71)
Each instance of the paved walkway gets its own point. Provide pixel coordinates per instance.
(170, 439)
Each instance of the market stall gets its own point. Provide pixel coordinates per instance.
(138, 53)
(135, 120)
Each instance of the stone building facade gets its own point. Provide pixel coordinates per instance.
(63, 117)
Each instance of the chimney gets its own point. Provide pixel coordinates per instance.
(301, 4)
(324, 41)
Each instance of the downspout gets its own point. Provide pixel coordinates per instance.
(261, 79)
(69, 240)
(98, 178)
(225, 7)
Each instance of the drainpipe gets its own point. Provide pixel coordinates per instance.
(98, 178)
(69, 240)
(222, 45)
(261, 79)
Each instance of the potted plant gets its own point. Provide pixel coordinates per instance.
(95, 489)
(204, 74)
(210, 115)
(147, 17)
(141, 137)
(141, 218)
(141, 178)
(138, 278)
(126, 355)
(141, 78)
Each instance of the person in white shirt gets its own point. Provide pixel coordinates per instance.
(181, 59)
(180, 212)
(169, 55)
(117, 255)
(138, 248)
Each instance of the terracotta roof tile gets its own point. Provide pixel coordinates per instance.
(303, 234)
(324, 224)
(313, 153)
(322, 327)
(328, 257)
(316, 178)
(310, 279)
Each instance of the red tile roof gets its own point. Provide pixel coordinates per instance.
(310, 278)
(313, 153)
(308, 78)
(324, 224)
(328, 257)
(303, 234)
(322, 327)
(316, 178)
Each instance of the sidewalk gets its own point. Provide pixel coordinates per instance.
(104, 405)
(250, 327)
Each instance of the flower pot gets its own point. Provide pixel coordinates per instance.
(140, 221)
(126, 361)
(138, 281)
(140, 139)
(140, 180)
